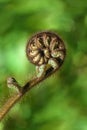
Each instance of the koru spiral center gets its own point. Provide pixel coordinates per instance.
(44, 46)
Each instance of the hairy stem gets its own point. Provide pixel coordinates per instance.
(16, 97)
(8, 105)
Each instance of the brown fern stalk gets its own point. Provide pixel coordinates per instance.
(16, 97)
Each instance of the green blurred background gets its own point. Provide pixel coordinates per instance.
(60, 102)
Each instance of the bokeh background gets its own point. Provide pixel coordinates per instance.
(60, 102)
